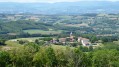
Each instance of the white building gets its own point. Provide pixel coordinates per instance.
(85, 42)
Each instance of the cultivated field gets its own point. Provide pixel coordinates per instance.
(77, 25)
(42, 32)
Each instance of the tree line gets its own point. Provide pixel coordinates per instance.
(33, 55)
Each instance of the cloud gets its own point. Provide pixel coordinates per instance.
(52, 1)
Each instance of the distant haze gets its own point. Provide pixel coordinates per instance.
(51, 1)
(78, 7)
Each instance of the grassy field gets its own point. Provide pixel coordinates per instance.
(42, 32)
(12, 44)
(117, 42)
(32, 39)
(77, 25)
(59, 47)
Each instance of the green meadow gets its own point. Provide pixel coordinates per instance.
(42, 32)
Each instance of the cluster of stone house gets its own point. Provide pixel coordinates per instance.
(71, 39)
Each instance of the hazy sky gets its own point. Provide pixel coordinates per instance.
(51, 1)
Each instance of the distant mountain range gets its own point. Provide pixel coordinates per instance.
(60, 8)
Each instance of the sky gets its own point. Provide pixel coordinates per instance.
(51, 1)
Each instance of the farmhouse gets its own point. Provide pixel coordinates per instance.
(79, 39)
(85, 42)
(62, 40)
(54, 40)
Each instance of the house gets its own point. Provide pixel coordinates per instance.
(85, 42)
(62, 40)
(54, 40)
(79, 39)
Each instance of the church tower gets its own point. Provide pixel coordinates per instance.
(71, 35)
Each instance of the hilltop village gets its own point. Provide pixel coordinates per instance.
(71, 40)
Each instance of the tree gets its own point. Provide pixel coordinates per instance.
(2, 42)
(105, 58)
(40, 59)
(4, 59)
(61, 58)
(90, 48)
(23, 56)
(51, 58)
(45, 58)
(80, 59)
(83, 48)
(37, 41)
